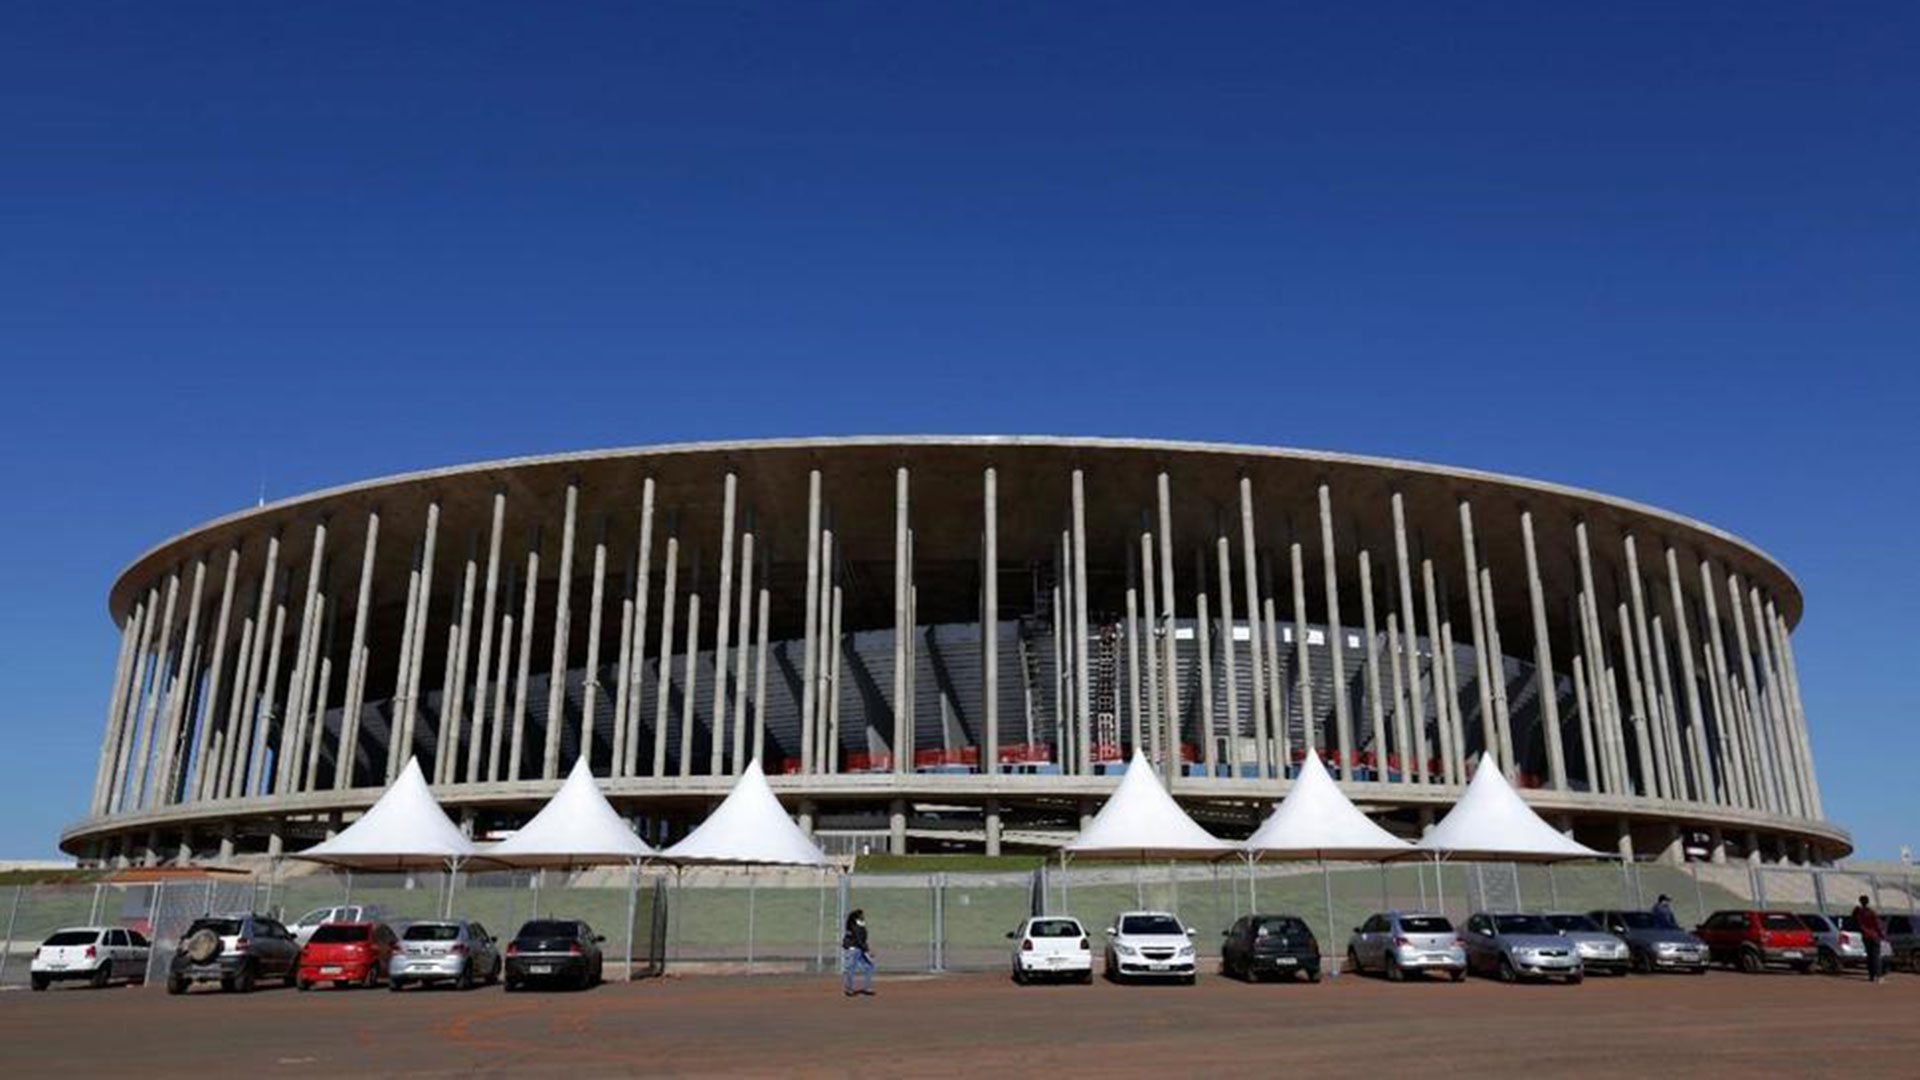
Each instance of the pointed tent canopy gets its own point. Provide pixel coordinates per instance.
(404, 830)
(1140, 820)
(748, 829)
(577, 827)
(1492, 822)
(1317, 821)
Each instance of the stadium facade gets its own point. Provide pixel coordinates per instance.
(952, 643)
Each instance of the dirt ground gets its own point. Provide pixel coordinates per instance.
(1720, 1024)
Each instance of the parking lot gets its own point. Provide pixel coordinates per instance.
(1719, 1024)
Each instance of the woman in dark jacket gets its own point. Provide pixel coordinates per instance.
(858, 959)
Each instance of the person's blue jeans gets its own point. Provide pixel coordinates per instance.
(859, 962)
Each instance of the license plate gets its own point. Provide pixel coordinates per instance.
(329, 971)
(1285, 961)
(1791, 954)
(1159, 965)
(540, 969)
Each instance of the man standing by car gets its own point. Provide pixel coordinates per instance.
(1663, 913)
(1876, 938)
(858, 959)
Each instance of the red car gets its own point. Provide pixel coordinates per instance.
(1756, 940)
(347, 952)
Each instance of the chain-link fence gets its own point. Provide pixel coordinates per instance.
(790, 920)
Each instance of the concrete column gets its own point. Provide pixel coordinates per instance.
(1302, 657)
(1417, 710)
(422, 617)
(239, 749)
(1732, 745)
(664, 669)
(293, 733)
(760, 678)
(1800, 714)
(1786, 699)
(1655, 720)
(902, 581)
(204, 759)
(356, 658)
(1170, 683)
(717, 762)
(501, 685)
(1716, 846)
(1258, 663)
(1062, 662)
(399, 744)
(1402, 740)
(483, 668)
(1133, 672)
(1150, 646)
(1611, 778)
(1450, 670)
(236, 701)
(811, 632)
(689, 683)
(1696, 724)
(156, 687)
(1336, 639)
(1545, 689)
(1676, 759)
(1083, 714)
(1674, 851)
(322, 693)
(257, 779)
(1786, 751)
(453, 704)
(897, 827)
(823, 758)
(590, 675)
(1440, 659)
(1203, 640)
(166, 776)
(1483, 665)
(742, 664)
(562, 624)
(1583, 709)
(990, 639)
(1277, 713)
(110, 738)
(833, 685)
(1649, 768)
(1625, 842)
(991, 821)
(523, 672)
(1502, 720)
(1229, 651)
(637, 664)
(1375, 715)
(1763, 757)
(622, 677)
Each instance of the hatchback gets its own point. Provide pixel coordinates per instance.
(1838, 940)
(1257, 946)
(346, 952)
(1903, 941)
(1402, 943)
(1052, 947)
(1601, 951)
(97, 954)
(237, 950)
(556, 950)
(1653, 945)
(1150, 944)
(445, 950)
(1756, 940)
(1520, 946)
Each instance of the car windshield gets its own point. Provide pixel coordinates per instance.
(317, 915)
(1780, 920)
(74, 937)
(1817, 923)
(1425, 924)
(1848, 922)
(1574, 924)
(1054, 928)
(223, 927)
(1522, 924)
(1150, 924)
(549, 929)
(1282, 928)
(433, 932)
(335, 933)
(1637, 920)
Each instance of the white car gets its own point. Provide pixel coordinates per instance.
(1052, 946)
(1150, 944)
(304, 926)
(98, 954)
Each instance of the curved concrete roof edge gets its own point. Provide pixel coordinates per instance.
(1060, 441)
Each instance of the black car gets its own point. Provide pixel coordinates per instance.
(554, 950)
(239, 951)
(1257, 946)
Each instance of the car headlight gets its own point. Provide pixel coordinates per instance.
(1186, 950)
(1123, 950)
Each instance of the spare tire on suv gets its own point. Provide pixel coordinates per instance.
(203, 945)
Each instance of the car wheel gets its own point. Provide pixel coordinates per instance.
(1803, 969)
(1394, 971)
(41, 982)
(1913, 961)
(1313, 975)
(1575, 980)
(1507, 972)
(242, 982)
(1353, 961)
(395, 985)
(291, 977)
(1829, 962)
(302, 985)
(1751, 962)
(1086, 977)
(176, 986)
(1019, 977)
(464, 981)
(102, 975)
(1190, 980)
(1458, 975)
(512, 987)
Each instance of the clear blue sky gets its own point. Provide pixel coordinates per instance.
(1669, 251)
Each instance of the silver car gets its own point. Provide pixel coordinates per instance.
(1841, 944)
(1652, 944)
(1600, 951)
(1402, 943)
(458, 951)
(1519, 946)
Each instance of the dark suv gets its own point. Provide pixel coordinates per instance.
(237, 950)
(557, 950)
(1257, 946)
(1756, 940)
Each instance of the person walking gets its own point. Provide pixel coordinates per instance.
(1663, 913)
(859, 960)
(1869, 923)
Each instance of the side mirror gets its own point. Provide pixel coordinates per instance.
(1190, 931)
(1226, 933)
(1357, 930)
(599, 939)
(1011, 935)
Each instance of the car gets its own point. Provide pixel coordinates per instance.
(1652, 945)
(459, 951)
(1838, 942)
(346, 952)
(1513, 946)
(1257, 946)
(305, 925)
(554, 950)
(1150, 944)
(1052, 947)
(1601, 951)
(238, 951)
(1756, 940)
(1903, 941)
(1402, 943)
(97, 954)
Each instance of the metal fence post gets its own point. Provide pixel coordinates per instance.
(1519, 902)
(154, 923)
(1759, 887)
(843, 889)
(93, 910)
(1553, 888)
(1819, 890)
(12, 914)
(1699, 899)
(751, 897)
(633, 888)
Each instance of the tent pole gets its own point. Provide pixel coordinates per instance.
(1385, 903)
(633, 887)
(1326, 884)
(1439, 883)
(1253, 884)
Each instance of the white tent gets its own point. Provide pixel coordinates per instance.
(1491, 822)
(1317, 821)
(749, 828)
(1141, 821)
(404, 830)
(577, 827)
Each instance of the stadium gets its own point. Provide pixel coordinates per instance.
(942, 644)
